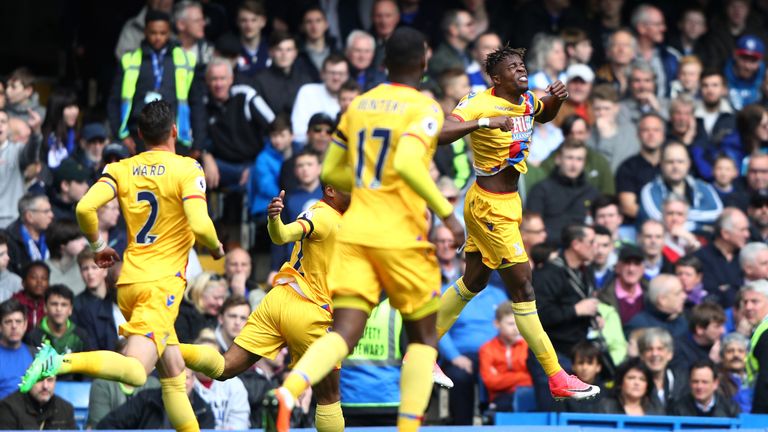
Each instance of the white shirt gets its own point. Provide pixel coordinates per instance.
(310, 100)
(229, 402)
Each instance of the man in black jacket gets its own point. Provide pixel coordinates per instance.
(26, 235)
(656, 348)
(707, 325)
(238, 120)
(703, 399)
(146, 411)
(564, 294)
(280, 82)
(39, 409)
(566, 196)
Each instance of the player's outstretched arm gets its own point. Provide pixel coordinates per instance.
(202, 225)
(336, 172)
(453, 128)
(280, 233)
(552, 102)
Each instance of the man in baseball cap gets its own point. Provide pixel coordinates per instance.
(744, 71)
(71, 180)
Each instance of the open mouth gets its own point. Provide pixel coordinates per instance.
(523, 78)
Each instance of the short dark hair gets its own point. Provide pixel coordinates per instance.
(567, 125)
(500, 55)
(605, 92)
(313, 8)
(27, 268)
(449, 75)
(690, 261)
(587, 350)
(602, 202)
(571, 232)
(233, 301)
(405, 49)
(540, 253)
(59, 234)
(278, 37)
(12, 306)
(705, 364)
(307, 151)
(60, 290)
(571, 144)
(572, 36)
(351, 85)
(637, 364)
(280, 123)
(155, 122)
(156, 15)
(23, 75)
(253, 6)
(85, 255)
(601, 230)
(706, 73)
(332, 59)
(705, 313)
(3, 239)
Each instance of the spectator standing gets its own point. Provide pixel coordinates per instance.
(22, 100)
(754, 301)
(14, 159)
(15, 355)
(715, 119)
(90, 151)
(71, 181)
(158, 69)
(60, 128)
(132, 32)
(385, 16)
(316, 43)
(564, 197)
(34, 281)
(39, 409)
(319, 98)
(613, 136)
(10, 283)
(251, 20)
(704, 203)
(648, 23)
(359, 53)
(189, 21)
(638, 170)
(733, 369)
(620, 49)
(26, 235)
(703, 399)
(65, 242)
(238, 119)
(706, 325)
(503, 359)
(458, 32)
(56, 326)
(605, 257)
(280, 82)
(319, 132)
(656, 348)
(722, 273)
(264, 182)
(745, 70)
(633, 391)
(663, 307)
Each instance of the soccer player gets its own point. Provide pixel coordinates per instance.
(381, 152)
(297, 311)
(162, 198)
(500, 123)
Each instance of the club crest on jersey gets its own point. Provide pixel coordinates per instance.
(169, 300)
(430, 126)
(200, 183)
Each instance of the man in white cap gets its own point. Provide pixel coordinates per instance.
(579, 86)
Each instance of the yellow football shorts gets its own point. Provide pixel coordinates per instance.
(493, 227)
(284, 318)
(151, 308)
(410, 277)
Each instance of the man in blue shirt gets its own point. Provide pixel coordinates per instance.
(14, 355)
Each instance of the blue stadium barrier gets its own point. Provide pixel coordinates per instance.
(590, 422)
(524, 400)
(78, 394)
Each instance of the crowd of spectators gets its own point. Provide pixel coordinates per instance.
(646, 199)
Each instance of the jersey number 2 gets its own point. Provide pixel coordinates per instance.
(143, 236)
(383, 135)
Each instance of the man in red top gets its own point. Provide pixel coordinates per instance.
(502, 360)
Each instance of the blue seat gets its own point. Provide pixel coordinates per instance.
(524, 399)
(78, 394)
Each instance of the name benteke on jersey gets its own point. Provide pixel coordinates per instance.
(148, 170)
(381, 105)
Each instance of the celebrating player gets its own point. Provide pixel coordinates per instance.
(162, 198)
(296, 312)
(500, 122)
(381, 151)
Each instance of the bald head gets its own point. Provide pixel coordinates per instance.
(237, 261)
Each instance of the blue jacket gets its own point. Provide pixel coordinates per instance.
(650, 316)
(95, 316)
(263, 179)
(706, 147)
(474, 326)
(743, 92)
(705, 204)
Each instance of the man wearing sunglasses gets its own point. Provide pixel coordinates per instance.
(319, 131)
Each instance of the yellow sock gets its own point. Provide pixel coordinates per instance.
(452, 302)
(108, 365)
(527, 319)
(321, 357)
(328, 418)
(415, 386)
(203, 358)
(177, 404)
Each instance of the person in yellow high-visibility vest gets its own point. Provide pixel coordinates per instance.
(158, 69)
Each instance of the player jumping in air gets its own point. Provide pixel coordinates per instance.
(162, 198)
(296, 312)
(381, 152)
(500, 123)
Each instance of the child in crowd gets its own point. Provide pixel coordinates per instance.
(588, 367)
(725, 173)
(263, 184)
(502, 360)
(688, 75)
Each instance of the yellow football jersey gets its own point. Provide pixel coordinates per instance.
(493, 149)
(151, 188)
(311, 255)
(385, 212)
